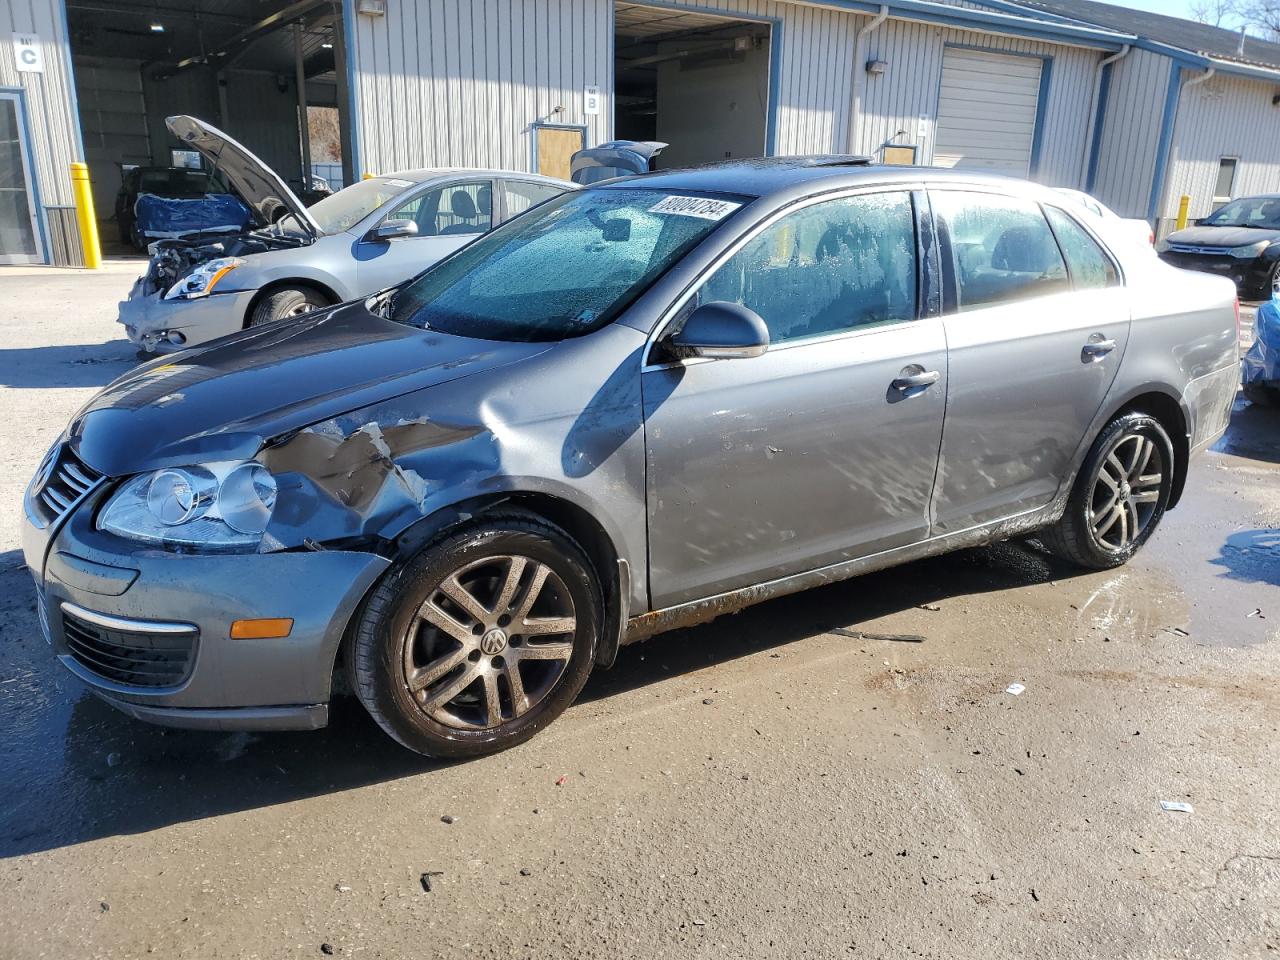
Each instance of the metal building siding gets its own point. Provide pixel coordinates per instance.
(452, 82)
(1223, 117)
(1131, 132)
(51, 120)
(896, 100)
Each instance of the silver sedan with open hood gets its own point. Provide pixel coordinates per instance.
(294, 259)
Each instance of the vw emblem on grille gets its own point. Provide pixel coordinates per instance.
(493, 642)
(45, 470)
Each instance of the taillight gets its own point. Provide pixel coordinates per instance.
(1151, 237)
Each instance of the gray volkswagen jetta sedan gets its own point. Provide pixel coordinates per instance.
(638, 406)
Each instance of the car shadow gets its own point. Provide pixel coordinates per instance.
(76, 770)
(79, 365)
(1254, 432)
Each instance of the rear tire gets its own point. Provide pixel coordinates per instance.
(286, 303)
(480, 640)
(1119, 497)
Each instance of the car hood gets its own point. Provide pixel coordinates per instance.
(257, 184)
(224, 400)
(1221, 236)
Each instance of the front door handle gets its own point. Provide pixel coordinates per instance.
(1097, 348)
(916, 380)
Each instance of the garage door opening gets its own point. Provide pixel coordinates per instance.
(693, 80)
(270, 73)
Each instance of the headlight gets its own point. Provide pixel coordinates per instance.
(1250, 250)
(224, 505)
(1162, 246)
(201, 281)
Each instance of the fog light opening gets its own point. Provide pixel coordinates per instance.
(176, 338)
(264, 629)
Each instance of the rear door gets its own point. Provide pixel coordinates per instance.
(1036, 322)
(818, 451)
(447, 218)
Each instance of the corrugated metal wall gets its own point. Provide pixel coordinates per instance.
(1223, 117)
(450, 82)
(896, 100)
(455, 82)
(1131, 132)
(50, 119)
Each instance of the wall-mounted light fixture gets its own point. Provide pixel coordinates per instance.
(877, 67)
(372, 8)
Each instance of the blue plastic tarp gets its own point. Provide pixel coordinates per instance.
(167, 217)
(1262, 362)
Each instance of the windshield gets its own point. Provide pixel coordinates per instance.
(1258, 212)
(344, 209)
(566, 268)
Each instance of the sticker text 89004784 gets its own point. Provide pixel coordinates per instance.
(704, 208)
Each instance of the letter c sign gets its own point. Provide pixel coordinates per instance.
(27, 53)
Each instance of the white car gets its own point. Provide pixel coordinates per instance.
(293, 259)
(1139, 230)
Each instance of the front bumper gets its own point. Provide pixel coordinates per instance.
(159, 325)
(87, 579)
(1248, 275)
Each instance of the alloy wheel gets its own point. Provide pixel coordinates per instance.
(1126, 493)
(490, 642)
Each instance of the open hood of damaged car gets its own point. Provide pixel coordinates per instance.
(224, 400)
(257, 184)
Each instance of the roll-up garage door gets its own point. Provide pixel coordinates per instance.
(987, 111)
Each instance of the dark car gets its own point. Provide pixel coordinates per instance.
(1240, 241)
(173, 183)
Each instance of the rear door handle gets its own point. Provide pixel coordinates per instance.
(1096, 348)
(912, 381)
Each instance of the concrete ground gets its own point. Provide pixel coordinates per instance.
(766, 786)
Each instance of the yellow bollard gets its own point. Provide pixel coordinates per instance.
(85, 216)
(1183, 205)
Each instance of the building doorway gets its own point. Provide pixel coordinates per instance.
(695, 81)
(19, 232)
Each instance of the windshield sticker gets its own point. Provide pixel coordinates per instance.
(398, 183)
(701, 207)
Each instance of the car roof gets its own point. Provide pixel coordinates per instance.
(768, 176)
(425, 174)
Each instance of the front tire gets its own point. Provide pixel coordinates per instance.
(286, 303)
(480, 640)
(1119, 496)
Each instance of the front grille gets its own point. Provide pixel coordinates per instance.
(62, 481)
(42, 615)
(1203, 251)
(136, 658)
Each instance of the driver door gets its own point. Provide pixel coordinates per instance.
(447, 218)
(815, 452)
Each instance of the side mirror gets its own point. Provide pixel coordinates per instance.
(1199, 221)
(390, 229)
(722, 331)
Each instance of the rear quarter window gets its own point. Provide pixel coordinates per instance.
(1089, 265)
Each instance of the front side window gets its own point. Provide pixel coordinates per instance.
(565, 269)
(1000, 249)
(1090, 267)
(827, 268)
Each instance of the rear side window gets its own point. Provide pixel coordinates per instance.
(521, 195)
(1001, 249)
(1090, 268)
(827, 268)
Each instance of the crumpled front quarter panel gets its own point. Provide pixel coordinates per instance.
(567, 423)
